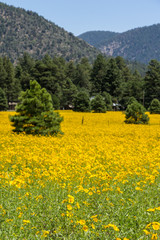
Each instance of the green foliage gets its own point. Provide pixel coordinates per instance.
(63, 80)
(98, 73)
(152, 82)
(82, 102)
(131, 100)
(113, 80)
(3, 101)
(108, 100)
(35, 113)
(83, 75)
(56, 102)
(69, 91)
(135, 114)
(98, 105)
(155, 106)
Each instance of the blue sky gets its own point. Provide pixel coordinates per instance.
(79, 16)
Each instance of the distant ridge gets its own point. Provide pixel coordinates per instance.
(139, 44)
(25, 31)
(97, 38)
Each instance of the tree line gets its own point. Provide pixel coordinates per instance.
(73, 85)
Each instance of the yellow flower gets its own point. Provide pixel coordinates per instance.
(69, 207)
(65, 200)
(119, 190)
(27, 194)
(82, 222)
(154, 236)
(151, 210)
(20, 214)
(146, 232)
(156, 226)
(139, 189)
(85, 228)
(90, 193)
(93, 226)
(113, 226)
(9, 220)
(26, 221)
(94, 216)
(77, 205)
(95, 219)
(39, 197)
(45, 233)
(69, 214)
(70, 199)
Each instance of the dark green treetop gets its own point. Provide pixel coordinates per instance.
(98, 74)
(155, 106)
(98, 105)
(35, 113)
(152, 82)
(131, 100)
(82, 77)
(135, 114)
(82, 102)
(108, 100)
(3, 100)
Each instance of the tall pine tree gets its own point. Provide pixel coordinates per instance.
(35, 113)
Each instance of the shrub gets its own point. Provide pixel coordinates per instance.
(155, 106)
(135, 113)
(35, 113)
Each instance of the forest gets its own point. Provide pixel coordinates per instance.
(71, 84)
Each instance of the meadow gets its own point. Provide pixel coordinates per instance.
(100, 180)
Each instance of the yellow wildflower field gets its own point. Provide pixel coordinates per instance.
(100, 180)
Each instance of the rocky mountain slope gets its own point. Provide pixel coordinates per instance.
(139, 44)
(25, 31)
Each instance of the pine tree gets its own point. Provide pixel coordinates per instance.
(131, 100)
(35, 113)
(3, 100)
(82, 77)
(113, 80)
(82, 102)
(152, 82)
(69, 92)
(135, 113)
(98, 104)
(108, 100)
(98, 74)
(155, 106)
(9, 80)
(3, 75)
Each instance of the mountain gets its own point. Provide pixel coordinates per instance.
(97, 38)
(139, 44)
(25, 31)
